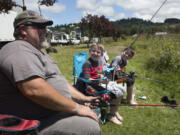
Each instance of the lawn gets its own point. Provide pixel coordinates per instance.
(141, 120)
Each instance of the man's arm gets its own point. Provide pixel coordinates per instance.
(115, 62)
(78, 96)
(40, 92)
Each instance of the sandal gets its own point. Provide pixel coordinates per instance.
(113, 119)
(119, 117)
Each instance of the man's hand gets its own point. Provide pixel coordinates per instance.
(91, 99)
(87, 112)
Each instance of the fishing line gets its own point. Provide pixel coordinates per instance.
(159, 81)
(138, 35)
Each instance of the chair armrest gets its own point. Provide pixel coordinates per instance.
(91, 81)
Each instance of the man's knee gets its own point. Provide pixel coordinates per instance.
(88, 126)
(75, 125)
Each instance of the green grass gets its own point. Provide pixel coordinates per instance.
(137, 120)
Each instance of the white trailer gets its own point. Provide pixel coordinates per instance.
(6, 27)
(60, 38)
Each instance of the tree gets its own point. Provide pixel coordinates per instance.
(86, 24)
(47, 2)
(7, 5)
(104, 27)
(95, 26)
(177, 28)
(172, 21)
(116, 33)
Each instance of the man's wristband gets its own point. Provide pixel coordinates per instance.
(77, 108)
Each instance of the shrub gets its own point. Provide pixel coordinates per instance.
(123, 37)
(165, 58)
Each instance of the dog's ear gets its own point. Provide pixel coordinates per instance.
(172, 102)
(165, 99)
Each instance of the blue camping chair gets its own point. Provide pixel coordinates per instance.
(78, 60)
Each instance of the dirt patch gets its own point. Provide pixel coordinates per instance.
(116, 50)
(178, 53)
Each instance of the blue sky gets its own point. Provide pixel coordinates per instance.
(69, 15)
(71, 11)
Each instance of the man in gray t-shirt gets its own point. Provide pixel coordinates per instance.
(32, 86)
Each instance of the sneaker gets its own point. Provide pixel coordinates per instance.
(114, 119)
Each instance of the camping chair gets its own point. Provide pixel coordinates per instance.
(13, 125)
(78, 61)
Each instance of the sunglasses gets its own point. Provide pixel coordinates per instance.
(36, 26)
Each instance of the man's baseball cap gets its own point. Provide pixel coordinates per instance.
(31, 17)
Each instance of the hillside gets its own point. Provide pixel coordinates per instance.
(130, 26)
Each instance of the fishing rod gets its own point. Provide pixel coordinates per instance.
(102, 109)
(155, 105)
(138, 35)
(104, 101)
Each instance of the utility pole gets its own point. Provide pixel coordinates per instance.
(23, 7)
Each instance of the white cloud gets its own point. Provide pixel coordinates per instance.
(145, 9)
(139, 8)
(95, 8)
(105, 10)
(138, 5)
(108, 2)
(56, 8)
(118, 17)
(86, 4)
(144, 16)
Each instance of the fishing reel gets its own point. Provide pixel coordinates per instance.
(103, 106)
(104, 101)
(105, 97)
(122, 77)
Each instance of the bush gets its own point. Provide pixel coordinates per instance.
(123, 37)
(166, 58)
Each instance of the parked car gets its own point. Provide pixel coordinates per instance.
(60, 38)
(85, 40)
(74, 41)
